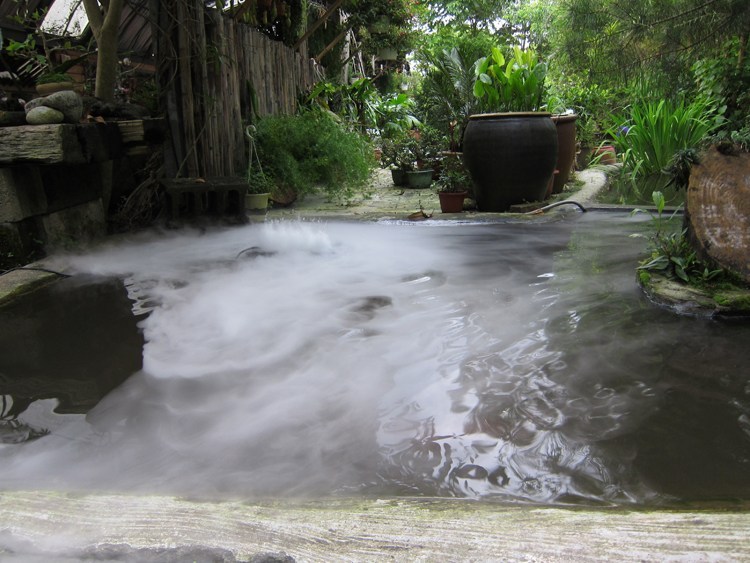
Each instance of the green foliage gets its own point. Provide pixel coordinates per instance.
(361, 107)
(447, 94)
(727, 83)
(258, 182)
(453, 175)
(414, 149)
(517, 84)
(671, 253)
(54, 77)
(397, 152)
(651, 133)
(383, 23)
(592, 103)
(618, 43)
(468, 16)
(680, 165)
(36, 49)
(310, 152)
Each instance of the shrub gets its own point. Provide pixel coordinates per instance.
(310, 152)
(653, 132)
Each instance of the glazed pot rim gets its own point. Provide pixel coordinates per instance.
(564, 117)
(478, 116)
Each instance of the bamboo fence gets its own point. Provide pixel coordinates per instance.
(216, 75)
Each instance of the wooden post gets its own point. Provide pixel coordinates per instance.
(332, 8)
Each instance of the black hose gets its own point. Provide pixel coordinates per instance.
(556, 204)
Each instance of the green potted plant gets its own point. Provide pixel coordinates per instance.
(426, 145)
(50, 77)
(259, 185)
(511, 149)
(51, 82)
(397, 155)
(453, 184)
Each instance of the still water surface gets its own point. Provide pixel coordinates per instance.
(510, 361)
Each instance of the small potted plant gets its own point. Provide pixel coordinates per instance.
(259, 185)
(453, 184)
(397, 155)
(425, 147)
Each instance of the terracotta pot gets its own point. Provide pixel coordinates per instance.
(452, 202)
(510, 157)
(551, 184)
(605, 154)
(566, 149)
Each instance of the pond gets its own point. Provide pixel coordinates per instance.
(513, 361)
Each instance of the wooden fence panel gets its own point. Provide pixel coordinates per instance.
(219, 61)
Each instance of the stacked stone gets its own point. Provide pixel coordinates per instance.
(60, 107)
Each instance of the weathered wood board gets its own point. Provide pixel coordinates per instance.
(48, 525)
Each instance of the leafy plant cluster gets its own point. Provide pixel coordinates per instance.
(651, 133)
(672, 254)
(726, 82)
(36, 52)
(312, 152)
(453, 175)
(515, 84)
(361, 107)
(416, 149)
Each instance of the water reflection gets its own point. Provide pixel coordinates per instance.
(515, 361)
(65, 347)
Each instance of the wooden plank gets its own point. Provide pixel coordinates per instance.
(389, 529)
(131, 131)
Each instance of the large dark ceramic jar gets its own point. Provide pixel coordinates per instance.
(510, 156)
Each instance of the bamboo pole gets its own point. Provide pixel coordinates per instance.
(332, 8)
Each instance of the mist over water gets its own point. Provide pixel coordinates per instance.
(516, 361)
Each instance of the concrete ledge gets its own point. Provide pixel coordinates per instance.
(52, 526)
(18, 282)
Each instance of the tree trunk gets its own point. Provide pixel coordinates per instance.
(105, 21)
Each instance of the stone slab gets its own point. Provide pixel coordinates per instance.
(20, 243)
(40, 144)
(82, 223)
(21, 193)
(18, 282)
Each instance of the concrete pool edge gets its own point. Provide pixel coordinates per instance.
(51, 524)
(26, 278)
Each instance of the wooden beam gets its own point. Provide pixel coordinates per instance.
(332, 8)
(332, 44)
(244, 7)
